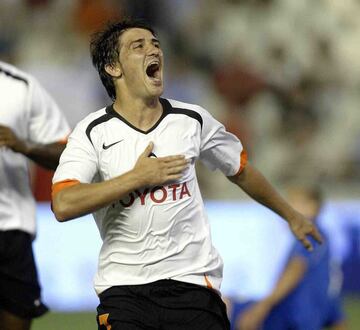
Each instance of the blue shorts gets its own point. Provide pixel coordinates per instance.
(334, 313)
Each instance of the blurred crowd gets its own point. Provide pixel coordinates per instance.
(283, 75)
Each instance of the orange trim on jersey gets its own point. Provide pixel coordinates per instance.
(208, 283)
(58, 186)
(243, 161)
(103, 320)
(64, 140)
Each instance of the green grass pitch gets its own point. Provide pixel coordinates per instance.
(86, 321)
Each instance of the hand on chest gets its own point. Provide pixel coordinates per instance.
(118, 151)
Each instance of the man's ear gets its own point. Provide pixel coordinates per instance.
(113, 70)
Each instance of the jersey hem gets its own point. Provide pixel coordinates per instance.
(202, 280)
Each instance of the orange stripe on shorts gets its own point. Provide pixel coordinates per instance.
(103, 320)
(208, 284)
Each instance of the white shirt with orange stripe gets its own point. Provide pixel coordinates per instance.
(27, 109)
(158, 232)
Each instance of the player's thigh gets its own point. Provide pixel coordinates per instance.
(9, 321)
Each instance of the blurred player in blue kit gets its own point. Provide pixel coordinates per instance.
(303, 297)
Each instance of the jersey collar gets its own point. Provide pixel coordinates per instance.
(166, 110)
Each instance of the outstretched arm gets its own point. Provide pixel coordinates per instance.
(81, 199)
(46, 155)
(252, 318)
(256, 186)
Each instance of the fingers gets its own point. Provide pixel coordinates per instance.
(176, 162)
(176, 170)
(4, 130)
(167, 159)
(176, 166)
(174, 158)
(173, 177)
(308, 246)
(147, 150)
(316, 235)
(159, 170)
(6, 136)
(4, 141)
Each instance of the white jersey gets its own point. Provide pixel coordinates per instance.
(159, 232)
(27, 109)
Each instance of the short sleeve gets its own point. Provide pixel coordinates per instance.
(311, 257)
(46, 122)
(299, 250)
(79, 160)
(220, 149)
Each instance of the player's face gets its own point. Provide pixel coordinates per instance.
(141, 62)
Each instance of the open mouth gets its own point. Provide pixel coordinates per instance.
(153, 71)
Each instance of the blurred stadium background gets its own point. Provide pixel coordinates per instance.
(283, 75)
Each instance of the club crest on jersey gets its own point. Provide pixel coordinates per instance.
(158, 194)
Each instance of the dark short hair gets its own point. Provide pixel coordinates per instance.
(104, 48)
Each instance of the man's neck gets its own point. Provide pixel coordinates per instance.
(141, 113)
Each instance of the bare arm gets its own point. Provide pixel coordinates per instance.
(46, 155)
(82, 199)
(289, 280)
(256, 186)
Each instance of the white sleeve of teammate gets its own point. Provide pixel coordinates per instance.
(79, 160)
(220, 149)
(46, 122)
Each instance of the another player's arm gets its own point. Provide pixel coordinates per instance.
(288, 281)
(252, 318)
(256, 186)
(81, 199)
(46, 155)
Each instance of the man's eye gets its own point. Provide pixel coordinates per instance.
(138, 46)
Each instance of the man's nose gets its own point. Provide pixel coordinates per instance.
(153, 50)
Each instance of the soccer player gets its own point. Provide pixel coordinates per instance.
(31, 126)
(302, 297)
(131, 164)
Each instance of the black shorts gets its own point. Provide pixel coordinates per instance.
(165, 304)
(19, 286)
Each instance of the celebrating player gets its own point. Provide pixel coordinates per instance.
(31, 126)
(132, 164)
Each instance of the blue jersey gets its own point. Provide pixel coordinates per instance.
(313, 304)
(306, 307)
